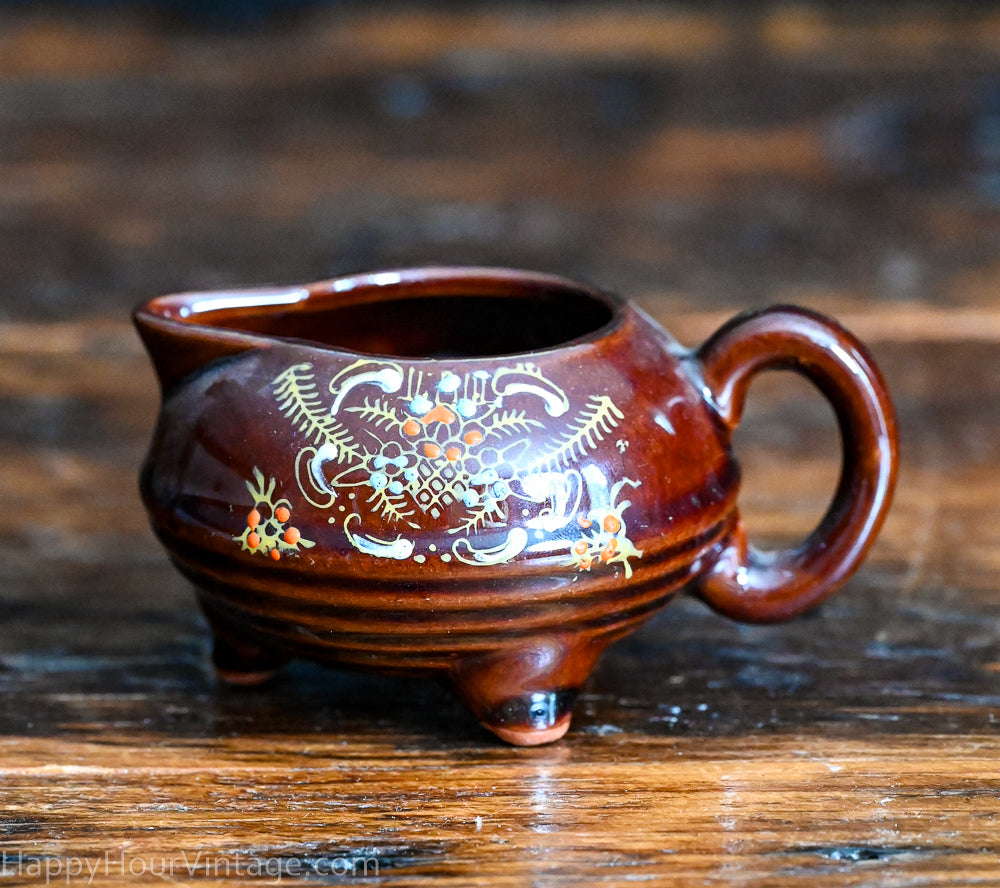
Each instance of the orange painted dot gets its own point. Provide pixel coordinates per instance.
(432, 450)
(282, 514)
(581, 547)
(411, 427)
(275, 555)
(452, 453)
(292, 536)
(438, 414)
(612, 524)
(253, 540)
(609, 550)
(473, 437)
(253, 519)
(585, 565)
(583, 522)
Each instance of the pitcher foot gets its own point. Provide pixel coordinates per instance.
(524, 693)
(245, 664)
(532, 719)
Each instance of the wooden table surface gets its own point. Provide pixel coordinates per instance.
(697, 161)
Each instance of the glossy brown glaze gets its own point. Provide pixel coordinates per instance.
(756, 587)
(487, 475)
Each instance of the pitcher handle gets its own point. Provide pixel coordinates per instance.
(754, 586)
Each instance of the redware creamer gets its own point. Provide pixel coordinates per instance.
(483, 474)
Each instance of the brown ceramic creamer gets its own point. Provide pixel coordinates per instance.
(482, 474)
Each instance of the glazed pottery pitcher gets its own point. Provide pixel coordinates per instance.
(481, 474)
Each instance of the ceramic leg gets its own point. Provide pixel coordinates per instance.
(239, 661)
(524, 693)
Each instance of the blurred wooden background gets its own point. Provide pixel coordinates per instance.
(698, 158)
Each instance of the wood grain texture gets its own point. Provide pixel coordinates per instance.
(700, 162)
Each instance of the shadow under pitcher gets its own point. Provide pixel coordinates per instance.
(480, 474)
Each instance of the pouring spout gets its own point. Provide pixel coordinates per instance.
(177, 349)
(185, 332)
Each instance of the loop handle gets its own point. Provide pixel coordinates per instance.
(755, 586)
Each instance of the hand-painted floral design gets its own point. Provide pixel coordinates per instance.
(457, 451)
(267, 529)
(603, 535)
